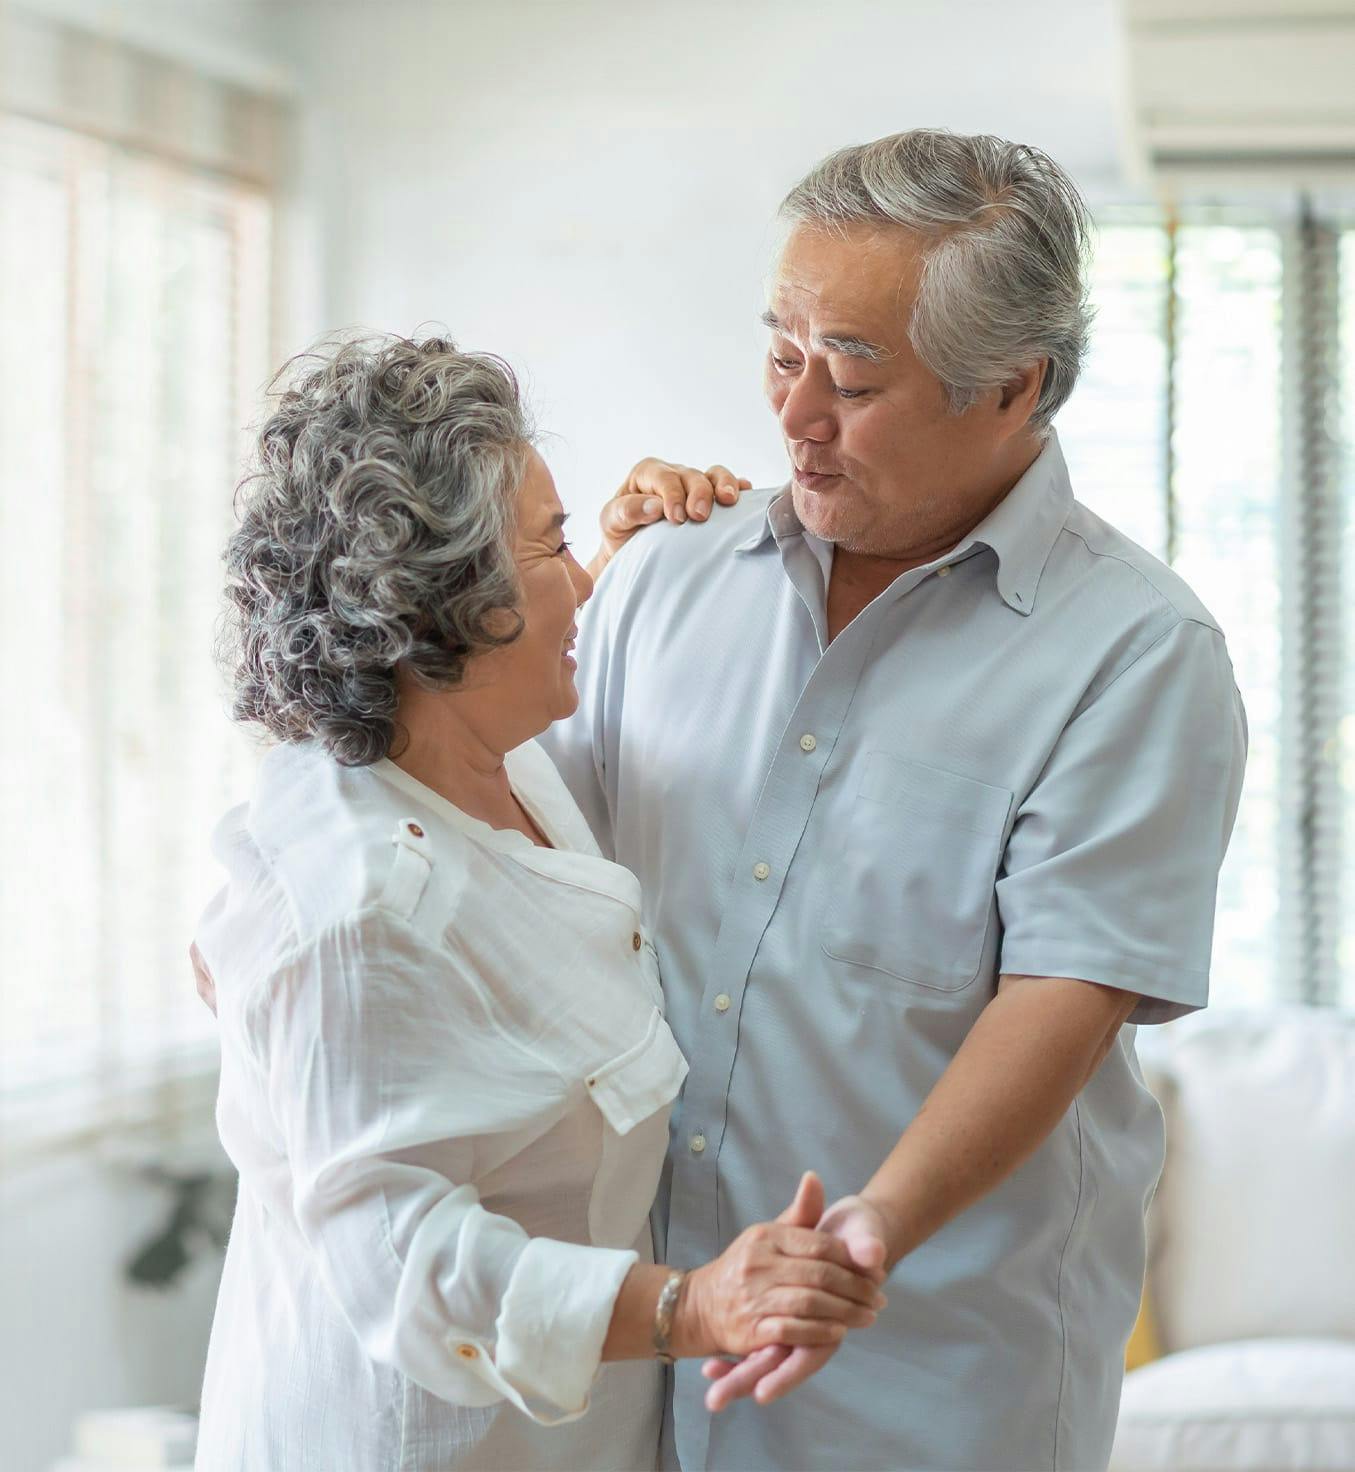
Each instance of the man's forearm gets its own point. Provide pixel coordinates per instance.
(1026, 1058)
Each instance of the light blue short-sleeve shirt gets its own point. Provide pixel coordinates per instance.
(1024, 757)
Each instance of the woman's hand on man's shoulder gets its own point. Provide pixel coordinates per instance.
(659, 490)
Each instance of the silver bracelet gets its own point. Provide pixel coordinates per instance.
(663, 1315)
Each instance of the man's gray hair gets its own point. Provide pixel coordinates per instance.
(1006, 240)
(375, 529)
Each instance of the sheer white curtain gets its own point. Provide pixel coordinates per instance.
(135, 227)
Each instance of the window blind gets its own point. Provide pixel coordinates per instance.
(1214, 424)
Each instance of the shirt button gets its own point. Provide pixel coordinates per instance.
(698, 1143)
(722, 1002)
(636, 942)
(943, 572)
(415, 829)
(807, 742)
(468, 1351)
(761, 870)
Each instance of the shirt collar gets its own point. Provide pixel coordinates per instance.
(1020, 530)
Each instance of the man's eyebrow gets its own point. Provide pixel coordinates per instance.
(855, 347)
(848, 345)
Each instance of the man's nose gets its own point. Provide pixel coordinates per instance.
(805, 413)
(583, 584)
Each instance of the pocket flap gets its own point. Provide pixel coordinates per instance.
(931, 792)
(641, 1080)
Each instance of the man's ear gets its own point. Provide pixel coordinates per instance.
(1020, 394)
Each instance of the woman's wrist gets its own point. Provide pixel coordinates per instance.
(690, 1337)
(630, 1335)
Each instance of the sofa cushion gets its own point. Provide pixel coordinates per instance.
(1255, 1215)
(1144, 1345)
(1264, 1405)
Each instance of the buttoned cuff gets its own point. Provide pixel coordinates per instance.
(552, 1324)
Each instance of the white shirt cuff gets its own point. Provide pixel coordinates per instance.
(553, 1322)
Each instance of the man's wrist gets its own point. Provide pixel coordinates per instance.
(891, 1219)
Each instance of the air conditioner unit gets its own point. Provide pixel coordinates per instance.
(1256, 88)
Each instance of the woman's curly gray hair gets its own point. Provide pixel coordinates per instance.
(375, 529)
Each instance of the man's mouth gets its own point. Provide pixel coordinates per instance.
(813, 479)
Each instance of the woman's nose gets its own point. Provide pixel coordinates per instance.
(583, 584)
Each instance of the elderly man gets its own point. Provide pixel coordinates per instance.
(927, 773)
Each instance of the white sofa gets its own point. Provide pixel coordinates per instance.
(1251, 1274)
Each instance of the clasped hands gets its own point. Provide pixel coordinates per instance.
(775, 1370)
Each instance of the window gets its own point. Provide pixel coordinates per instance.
(1207, 428)
(134, 289)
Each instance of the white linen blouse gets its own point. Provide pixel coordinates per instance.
(445, 1082)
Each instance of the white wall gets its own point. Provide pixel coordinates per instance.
(587, 186)
(74, 1334)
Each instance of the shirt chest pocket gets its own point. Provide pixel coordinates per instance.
(911, 884)
(634, 1092)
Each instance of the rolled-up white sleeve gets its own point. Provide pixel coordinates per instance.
(389, 1080)
(1111, 870)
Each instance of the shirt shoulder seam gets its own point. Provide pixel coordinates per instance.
(1143, 578)
(1181, 619)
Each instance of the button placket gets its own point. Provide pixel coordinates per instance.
(774, 829)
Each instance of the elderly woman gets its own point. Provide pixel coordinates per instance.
(446, 1075)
